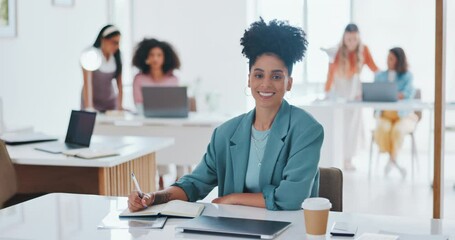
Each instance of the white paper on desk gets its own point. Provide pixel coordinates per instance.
(112, 221)
(405, 236)
(90, 153)
(376, 236)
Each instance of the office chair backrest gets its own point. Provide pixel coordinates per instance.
(2, 123)
(8, 181)
(418, 95)
(331, 187)
(192, 104)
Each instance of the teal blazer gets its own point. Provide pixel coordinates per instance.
(289, 172)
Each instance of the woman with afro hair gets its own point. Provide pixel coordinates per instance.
(156, 61)
(269, 156)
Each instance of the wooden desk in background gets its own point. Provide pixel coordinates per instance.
(39, 171)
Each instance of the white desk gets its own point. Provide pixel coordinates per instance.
(72, 216)
(330, 115)
(39, 171)
(192, 134)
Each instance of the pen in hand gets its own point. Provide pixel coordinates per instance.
(136, 184)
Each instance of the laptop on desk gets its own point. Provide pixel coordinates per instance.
(78, 135)
(26, 138)
(165, 102)
(379, 92)
(252, 228)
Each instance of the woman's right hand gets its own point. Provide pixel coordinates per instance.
(136, 203)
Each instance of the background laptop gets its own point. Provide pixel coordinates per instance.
(79, 134)
(379, 92)
(165, 102)
(263, 229)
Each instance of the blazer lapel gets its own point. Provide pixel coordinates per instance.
(275, 143)
(240, 149)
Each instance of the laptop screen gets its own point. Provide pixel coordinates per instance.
(165, 101)
(379, 92)
(80, 128)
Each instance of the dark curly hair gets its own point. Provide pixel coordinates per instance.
(171, 60)
(276, 37)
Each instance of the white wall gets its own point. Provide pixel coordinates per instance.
(40, 77)
(450, 51)
(409, 24)
(206, 35)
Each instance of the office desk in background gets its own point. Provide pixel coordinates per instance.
(192, 134)
(39, 171)
(74, 216)
(331, 115)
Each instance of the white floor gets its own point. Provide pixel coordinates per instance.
(392, 194)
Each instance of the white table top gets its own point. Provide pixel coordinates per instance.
(128, 147)
(400, 105)
(74, 216)
(194, 119)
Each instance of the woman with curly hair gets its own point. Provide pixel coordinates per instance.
(156, 61)
(269, 156)
(343, 82)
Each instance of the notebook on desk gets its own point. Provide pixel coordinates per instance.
(78, 135)
(379, 92)
(264, 229)
(165, 102)
(174, 208)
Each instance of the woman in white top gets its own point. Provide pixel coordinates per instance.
(104, 96)
(343, 82)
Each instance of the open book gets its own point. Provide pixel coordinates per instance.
(174, 208)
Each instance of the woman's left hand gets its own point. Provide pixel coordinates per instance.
(228, 199)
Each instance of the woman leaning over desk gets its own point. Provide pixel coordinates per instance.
(343, 81)
(269, 156)
(103, 96)
(392, 126)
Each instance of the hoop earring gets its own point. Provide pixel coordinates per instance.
(245, 91)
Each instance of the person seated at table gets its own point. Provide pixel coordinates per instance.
(392, 126)
(269, 156)
(156, 61)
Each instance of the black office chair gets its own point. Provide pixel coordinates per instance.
(331, 187)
